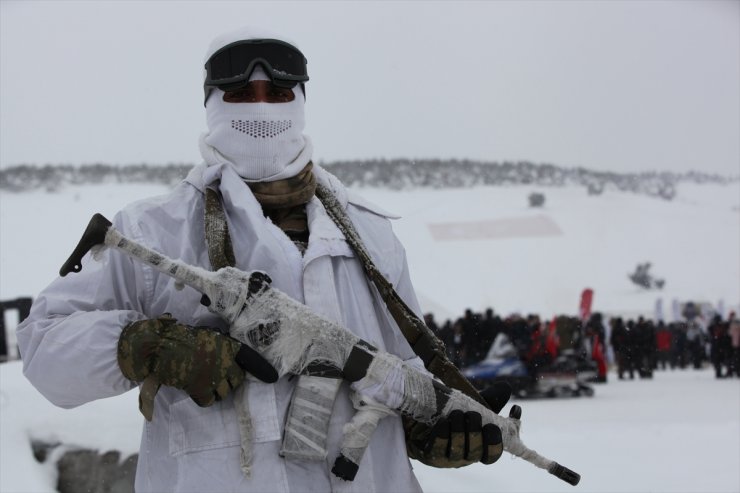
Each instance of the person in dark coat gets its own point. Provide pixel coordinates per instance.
(570, 334)
(519, 334)
(458, 345)
(644, 347)
(695, 344)
(490, 326)
(431, 323)
(679, 350)
(621, 344)
(734, 333)
(471, 337)
(446, 335)
(720, 347)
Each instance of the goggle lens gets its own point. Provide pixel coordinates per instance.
(233, 63)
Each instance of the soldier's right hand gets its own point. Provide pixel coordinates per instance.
(200, 361)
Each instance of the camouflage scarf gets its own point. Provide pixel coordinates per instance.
(286, 193)
(284, 202)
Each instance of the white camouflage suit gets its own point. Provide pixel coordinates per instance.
(69, 342)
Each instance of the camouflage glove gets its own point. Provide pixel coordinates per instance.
(198, 360)
(459, 439)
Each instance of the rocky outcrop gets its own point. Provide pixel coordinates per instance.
(88, 470)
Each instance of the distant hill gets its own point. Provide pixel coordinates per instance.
(395, 174)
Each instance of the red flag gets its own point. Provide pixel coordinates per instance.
(587, 297)
(551, 342)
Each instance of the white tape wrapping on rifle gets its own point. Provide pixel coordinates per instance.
(307, 425)
(357, 433)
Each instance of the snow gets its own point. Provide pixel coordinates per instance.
(693, 242)
(679, 432)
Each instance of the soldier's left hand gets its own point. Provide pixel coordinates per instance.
(460, 439)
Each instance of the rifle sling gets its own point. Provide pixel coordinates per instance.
(423, 341)
(218, 239)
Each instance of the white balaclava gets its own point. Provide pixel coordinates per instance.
(262, 141)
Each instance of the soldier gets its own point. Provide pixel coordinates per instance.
(252, 204)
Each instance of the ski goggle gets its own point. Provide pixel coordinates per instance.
(230, 67)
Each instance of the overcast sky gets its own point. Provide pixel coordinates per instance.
(611, 85)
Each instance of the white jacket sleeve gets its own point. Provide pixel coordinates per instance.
(68, 343)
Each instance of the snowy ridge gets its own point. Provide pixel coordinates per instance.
(394, 174)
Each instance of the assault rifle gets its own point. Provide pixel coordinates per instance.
(295, 340)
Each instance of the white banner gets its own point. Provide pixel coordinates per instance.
(659, 310)
(676, 310)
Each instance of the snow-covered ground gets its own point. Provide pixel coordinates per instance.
(679, 432)
(469, 248)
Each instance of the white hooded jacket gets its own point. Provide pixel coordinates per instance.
(69, 341)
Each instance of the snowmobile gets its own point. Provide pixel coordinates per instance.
(567, 376)
(644, 279)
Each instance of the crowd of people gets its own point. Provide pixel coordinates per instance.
(634, 347)
(642, 346)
